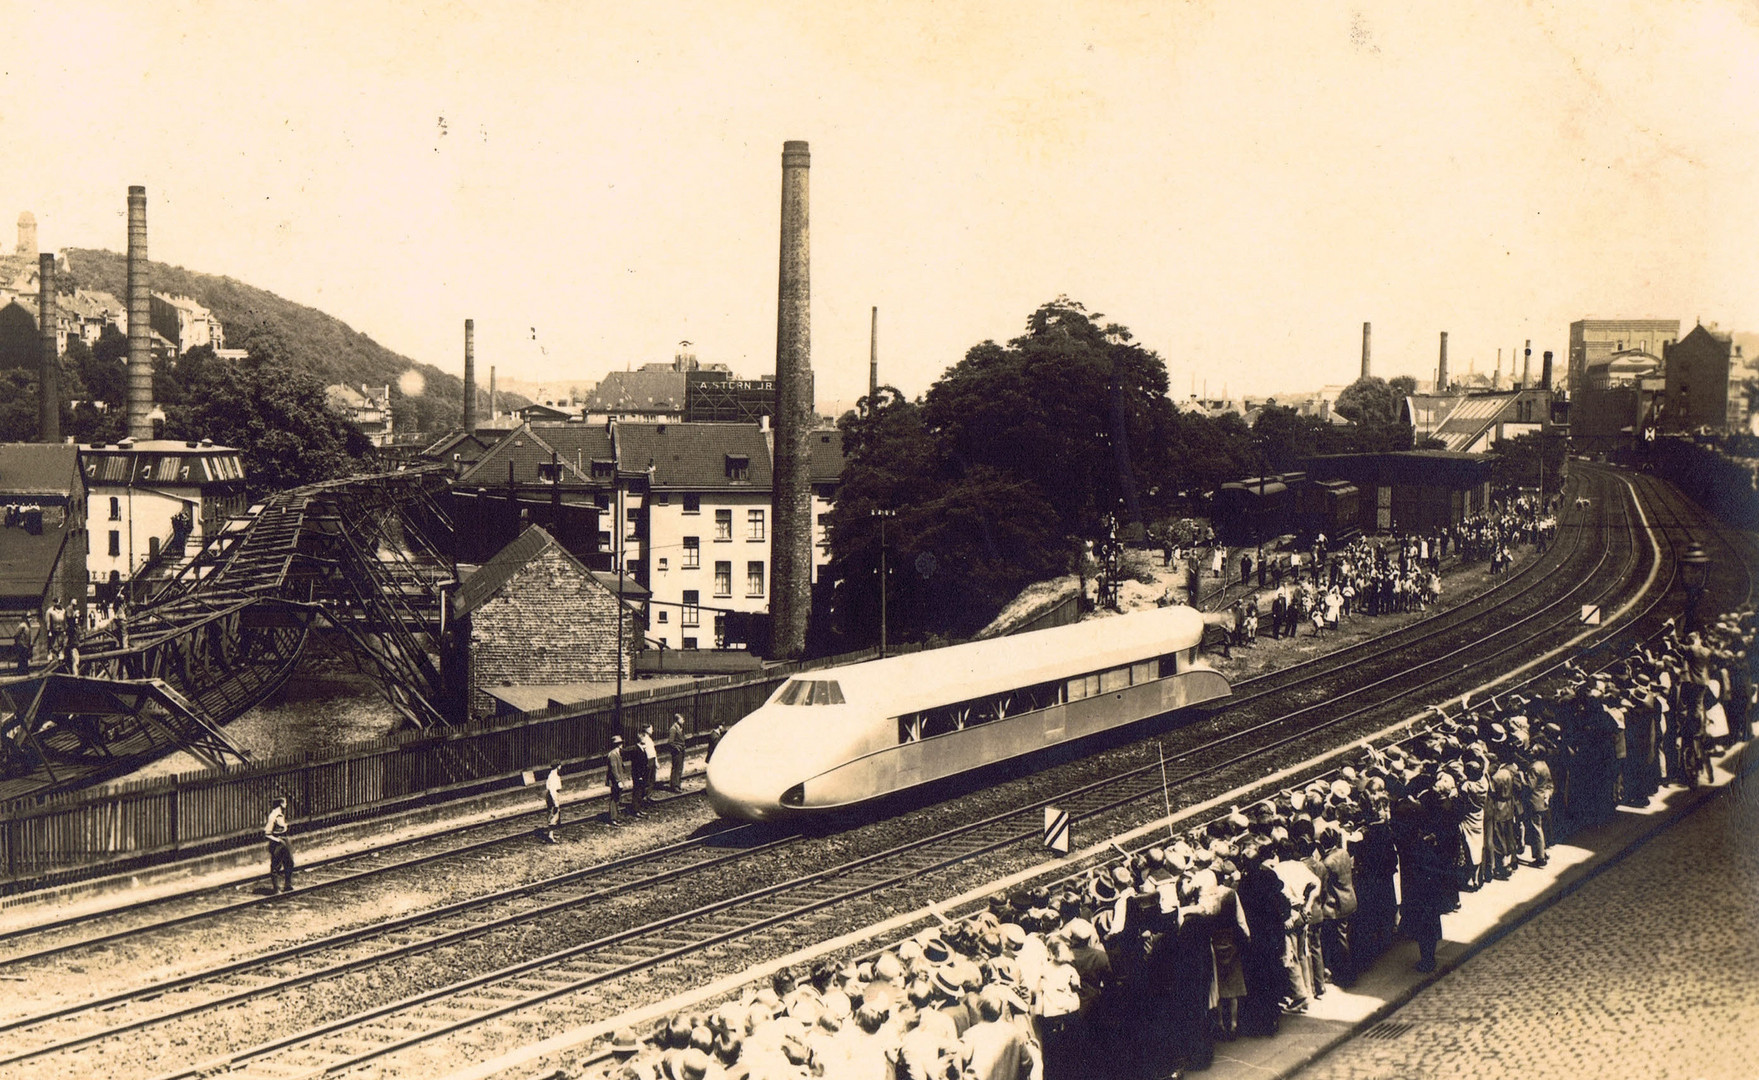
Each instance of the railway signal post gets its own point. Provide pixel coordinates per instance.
(1056, 830)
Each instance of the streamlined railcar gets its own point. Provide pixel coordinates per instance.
(838, 737)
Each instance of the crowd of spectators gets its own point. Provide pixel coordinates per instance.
(1138, 968)
(1320, 588)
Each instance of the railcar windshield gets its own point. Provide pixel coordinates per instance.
(811, 692)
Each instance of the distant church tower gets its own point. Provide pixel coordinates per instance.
(27, 234)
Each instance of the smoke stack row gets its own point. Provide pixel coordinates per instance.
(469, 375)
(49, 376)
(791, 491)
(1367, 333)
(140, 320)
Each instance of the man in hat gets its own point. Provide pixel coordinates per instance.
(647, 765)
(280, 851)
(616, 776)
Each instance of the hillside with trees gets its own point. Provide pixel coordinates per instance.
(282, 332)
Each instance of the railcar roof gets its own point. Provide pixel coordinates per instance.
(959, 672)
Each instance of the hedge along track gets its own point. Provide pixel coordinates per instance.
(362, 866)
(512, 995)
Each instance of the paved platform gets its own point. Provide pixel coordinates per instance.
(1633, 954)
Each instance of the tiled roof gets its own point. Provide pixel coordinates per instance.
(827, 455)
(445, 445)
(1460, 420)
(27, 561)
(499, 570)
(529, 446)
(38, 468)
(693, 457)
(638, 391)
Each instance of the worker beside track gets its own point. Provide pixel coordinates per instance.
(616, 776)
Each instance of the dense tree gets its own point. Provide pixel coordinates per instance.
(962, 542)
(1072, 407)
(280, 419)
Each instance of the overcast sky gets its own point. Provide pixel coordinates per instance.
(1242, 184)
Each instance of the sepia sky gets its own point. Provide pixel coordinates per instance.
(1241, 183)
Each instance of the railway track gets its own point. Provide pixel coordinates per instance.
(538, 989)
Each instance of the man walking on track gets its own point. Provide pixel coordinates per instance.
(675, 747)
(553, 802)
(280, 851)
(616, 776)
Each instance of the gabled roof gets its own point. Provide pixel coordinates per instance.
(1460, 420)
(493, 575)
(443, 447)
(38, 468)
(638, 391)
(693, 457)
(528, 446)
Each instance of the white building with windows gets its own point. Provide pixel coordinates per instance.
(152, 500)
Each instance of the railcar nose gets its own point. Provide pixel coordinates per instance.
(737, 790)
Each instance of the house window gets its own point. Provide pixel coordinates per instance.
(738, 467)
(603, 468)
(723, 524)
(754, 579)
(662, 498)
(631, 523)
(663, 616)
(604, 539)
(115, 508)
(115, 542)
(549, 472)
(724, 578)
(690, 643)
(632, 567)
(692, 552)
(754, 525)
(692, 504)
(602, 500)
(691, 616)
(662, 564)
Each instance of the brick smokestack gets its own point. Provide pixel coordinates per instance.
(1527, 365)
(873, 361)
(1545, 372)
(1441, 367)
(49, 377)
(140, 320)
(791, 491)
(1367, 337)
(493, 414)
(469, 374)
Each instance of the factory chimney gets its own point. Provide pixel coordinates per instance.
(791, 486)
(1441, 369)
(49, 377)
(27, 234)
(1545, 372)
(1367, 331)
(140, 320)
(1496, 379)
(493, 414)
(1527, 365)
(469, 375)
(873, 362)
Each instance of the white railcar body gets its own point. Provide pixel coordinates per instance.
(836, 737)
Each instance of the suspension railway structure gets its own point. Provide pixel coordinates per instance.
(361, 557)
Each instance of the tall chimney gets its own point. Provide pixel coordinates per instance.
(873, 361)
(1496, 379)
(469, 375)
(49, 377)
(1527, 365)
(1545, 372)
(791, 487)
(1441, 369)
(140, 320)
(492, 413)
(1367, 331)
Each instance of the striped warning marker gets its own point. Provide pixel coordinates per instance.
(1591, 614)
(1056, 830)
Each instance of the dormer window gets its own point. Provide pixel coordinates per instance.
(549, 472)
(738, 467)
(603, 468)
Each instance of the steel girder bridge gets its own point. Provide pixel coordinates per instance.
(363, 557)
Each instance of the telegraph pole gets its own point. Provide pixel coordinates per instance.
(883, 515)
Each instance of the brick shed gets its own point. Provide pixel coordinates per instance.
(534, 614)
